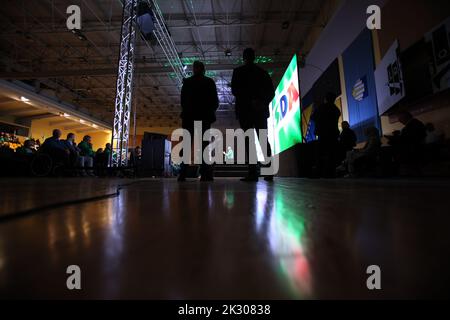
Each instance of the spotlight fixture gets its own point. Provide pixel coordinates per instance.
(23, 99)
(228, 53)
(145, 20)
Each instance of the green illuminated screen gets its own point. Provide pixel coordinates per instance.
(284, 129)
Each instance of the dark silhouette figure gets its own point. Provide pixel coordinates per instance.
(347, 140)
(199, 102)
(414, 132)
(56, 149)
(253, 89)
(357, 161)
(326, 118)
(409, 144)
(70, 144)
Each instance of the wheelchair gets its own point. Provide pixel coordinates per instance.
(44, 165)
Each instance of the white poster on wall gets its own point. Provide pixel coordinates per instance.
(389, 80)
(439, 38)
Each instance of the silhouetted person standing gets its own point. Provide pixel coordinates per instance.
(326, 118)
(253, 89)
(199, 102)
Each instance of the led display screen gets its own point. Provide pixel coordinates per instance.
(284, 128)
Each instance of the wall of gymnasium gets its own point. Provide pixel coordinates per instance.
(340, 32)
(405, 22)
(408, 25)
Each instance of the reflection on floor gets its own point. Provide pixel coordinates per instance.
(292, 239)
(25, 194)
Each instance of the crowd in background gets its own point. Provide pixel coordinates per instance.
(72, 157)
(80, 157)
(77, 159)
(10, 141)
(415, 144)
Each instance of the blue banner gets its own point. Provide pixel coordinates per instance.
(360, 85)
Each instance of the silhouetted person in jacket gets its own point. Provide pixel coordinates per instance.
(326, 118)
(253, 89)
(199, 102)
(70, 145)
(55, 147)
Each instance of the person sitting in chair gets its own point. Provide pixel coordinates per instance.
(56, 149)
(356, 159)
(87, 155)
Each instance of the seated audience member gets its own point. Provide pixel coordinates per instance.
(433, 136)
(356, 159)
(107, 151)
(136, 156)
(37, 144)
(54, 147)
(414, 132)
(87, 155)
(347, 139)
(408, 144)
(70, 144)
(435, 147)
(138, 153)
(101, 162)
(99, 157)
(34, 144)
(27, 148)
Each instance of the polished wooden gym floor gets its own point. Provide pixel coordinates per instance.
(157, 239)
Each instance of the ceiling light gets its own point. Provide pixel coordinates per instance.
(228, 53)
(23, 99)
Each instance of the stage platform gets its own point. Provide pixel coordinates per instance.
(158, 239)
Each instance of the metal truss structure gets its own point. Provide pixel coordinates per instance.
(166, 43)
(82, 72)
(124, 93)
